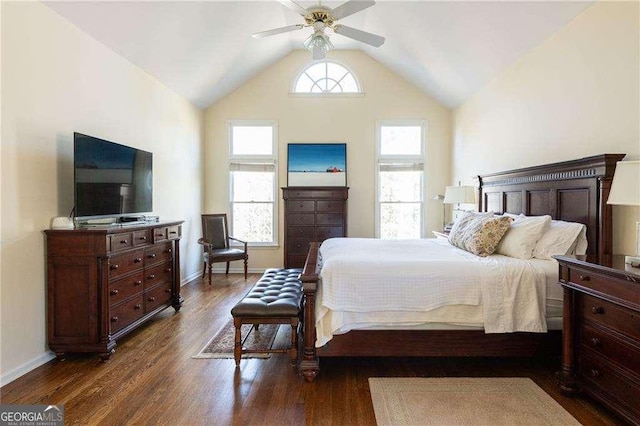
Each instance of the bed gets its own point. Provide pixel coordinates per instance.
(572, 191)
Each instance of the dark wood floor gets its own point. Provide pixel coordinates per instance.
(152, 379)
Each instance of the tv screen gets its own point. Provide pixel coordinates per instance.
(111, 179)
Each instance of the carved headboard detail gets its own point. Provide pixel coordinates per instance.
(574, 191)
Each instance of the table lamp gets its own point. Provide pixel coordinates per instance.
(625, 191)
(459, 195)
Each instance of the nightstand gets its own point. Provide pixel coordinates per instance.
(441, 235)
(601, 332)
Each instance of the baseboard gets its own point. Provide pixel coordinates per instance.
(23, 369)
(239, 270)
(188, 279)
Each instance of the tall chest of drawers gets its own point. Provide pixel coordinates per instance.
(103, 283)
(312, 214)
(601, 332)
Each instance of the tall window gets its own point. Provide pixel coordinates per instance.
(253, 181)
(326, 77)
(400, 179)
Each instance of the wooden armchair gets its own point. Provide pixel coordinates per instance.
(215, 242)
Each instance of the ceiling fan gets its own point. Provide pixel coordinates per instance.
(322, 17)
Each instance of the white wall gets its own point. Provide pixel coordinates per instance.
(312, 119)
(57, 80)
(576, 95)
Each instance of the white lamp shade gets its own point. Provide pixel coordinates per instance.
(459, 195)
(625, 189)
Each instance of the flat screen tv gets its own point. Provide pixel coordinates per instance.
(111, 180)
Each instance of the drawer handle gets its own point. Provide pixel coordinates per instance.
(595, 372)
(114, 292)
(137, 260)
(595, 341)
(597, 310)
(114, 319)
(173, 232)
(159, 235)
(168, 270)
(169, 250)
(301, 205)
(152, 256)
(167, 290)
(137, 282)
(151, 299)
(138, 306)
(123, 241)
(585, 278)
(151, 276)
(114, 267)
(143, 238)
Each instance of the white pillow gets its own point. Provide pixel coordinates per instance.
(561, 238)
(522, 236)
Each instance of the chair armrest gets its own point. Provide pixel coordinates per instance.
(240, 241)
(204, 243)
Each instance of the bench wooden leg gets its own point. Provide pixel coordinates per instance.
(293, 352)
(237, 347)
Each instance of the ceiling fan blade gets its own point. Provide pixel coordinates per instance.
(275, 31)
(351, 7)
(294, 6)
(363, 36)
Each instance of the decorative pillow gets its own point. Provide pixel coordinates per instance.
(561, 238)
(461, 223)
(481, 235)
(522, 236)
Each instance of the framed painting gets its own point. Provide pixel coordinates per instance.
(317, 164)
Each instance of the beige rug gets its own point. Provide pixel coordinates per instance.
(464, 401)
(221, 345)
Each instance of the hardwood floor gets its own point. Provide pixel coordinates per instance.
(152, 379)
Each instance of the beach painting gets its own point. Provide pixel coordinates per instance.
(317, 164)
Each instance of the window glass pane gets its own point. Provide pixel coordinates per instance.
(252, 140)
(399, 220)
(401, 186)
(317, 71)
(252, 186)
(349, 84)
(400, 140)
(303, 84)
(335, 71)
(253, 222)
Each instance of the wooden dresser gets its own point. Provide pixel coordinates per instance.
(104, 282)
(312, 214)
(601, 332)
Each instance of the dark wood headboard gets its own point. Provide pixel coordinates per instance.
(574, 191)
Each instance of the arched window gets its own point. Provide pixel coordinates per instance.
(326, 77)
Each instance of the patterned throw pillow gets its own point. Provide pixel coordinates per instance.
(480, 235)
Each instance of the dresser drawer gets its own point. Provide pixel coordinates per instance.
(157, 274)
(141, 238)
(601, 312)
(601, 380)
(329, 219)
(296, 260)
(158, 253)
(118, 242)
(315, 193)
(330, 206)
(125, 287)
(301, 219)
(605, 344)
(299, 245)
(301, 232)
(157, 296)
(124, 314)
(125, 263)
(614, 288)
(295, 206)
(325, 232)
(169, 233)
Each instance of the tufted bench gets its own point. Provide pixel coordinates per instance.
(274, 299)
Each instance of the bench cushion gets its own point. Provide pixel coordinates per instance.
(277, 294)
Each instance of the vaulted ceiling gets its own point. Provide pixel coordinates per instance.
(203, 50)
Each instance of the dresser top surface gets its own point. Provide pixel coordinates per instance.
(612, 265)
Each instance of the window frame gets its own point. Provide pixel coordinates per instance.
(303, 70)
(420, 158)
(257, 159)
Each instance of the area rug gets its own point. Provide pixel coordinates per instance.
(221, 345)
(464, 401)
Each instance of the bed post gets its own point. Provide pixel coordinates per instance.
(309, 365)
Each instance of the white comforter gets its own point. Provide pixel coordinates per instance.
(370, 282)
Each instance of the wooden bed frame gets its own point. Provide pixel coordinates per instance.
(573, 191)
